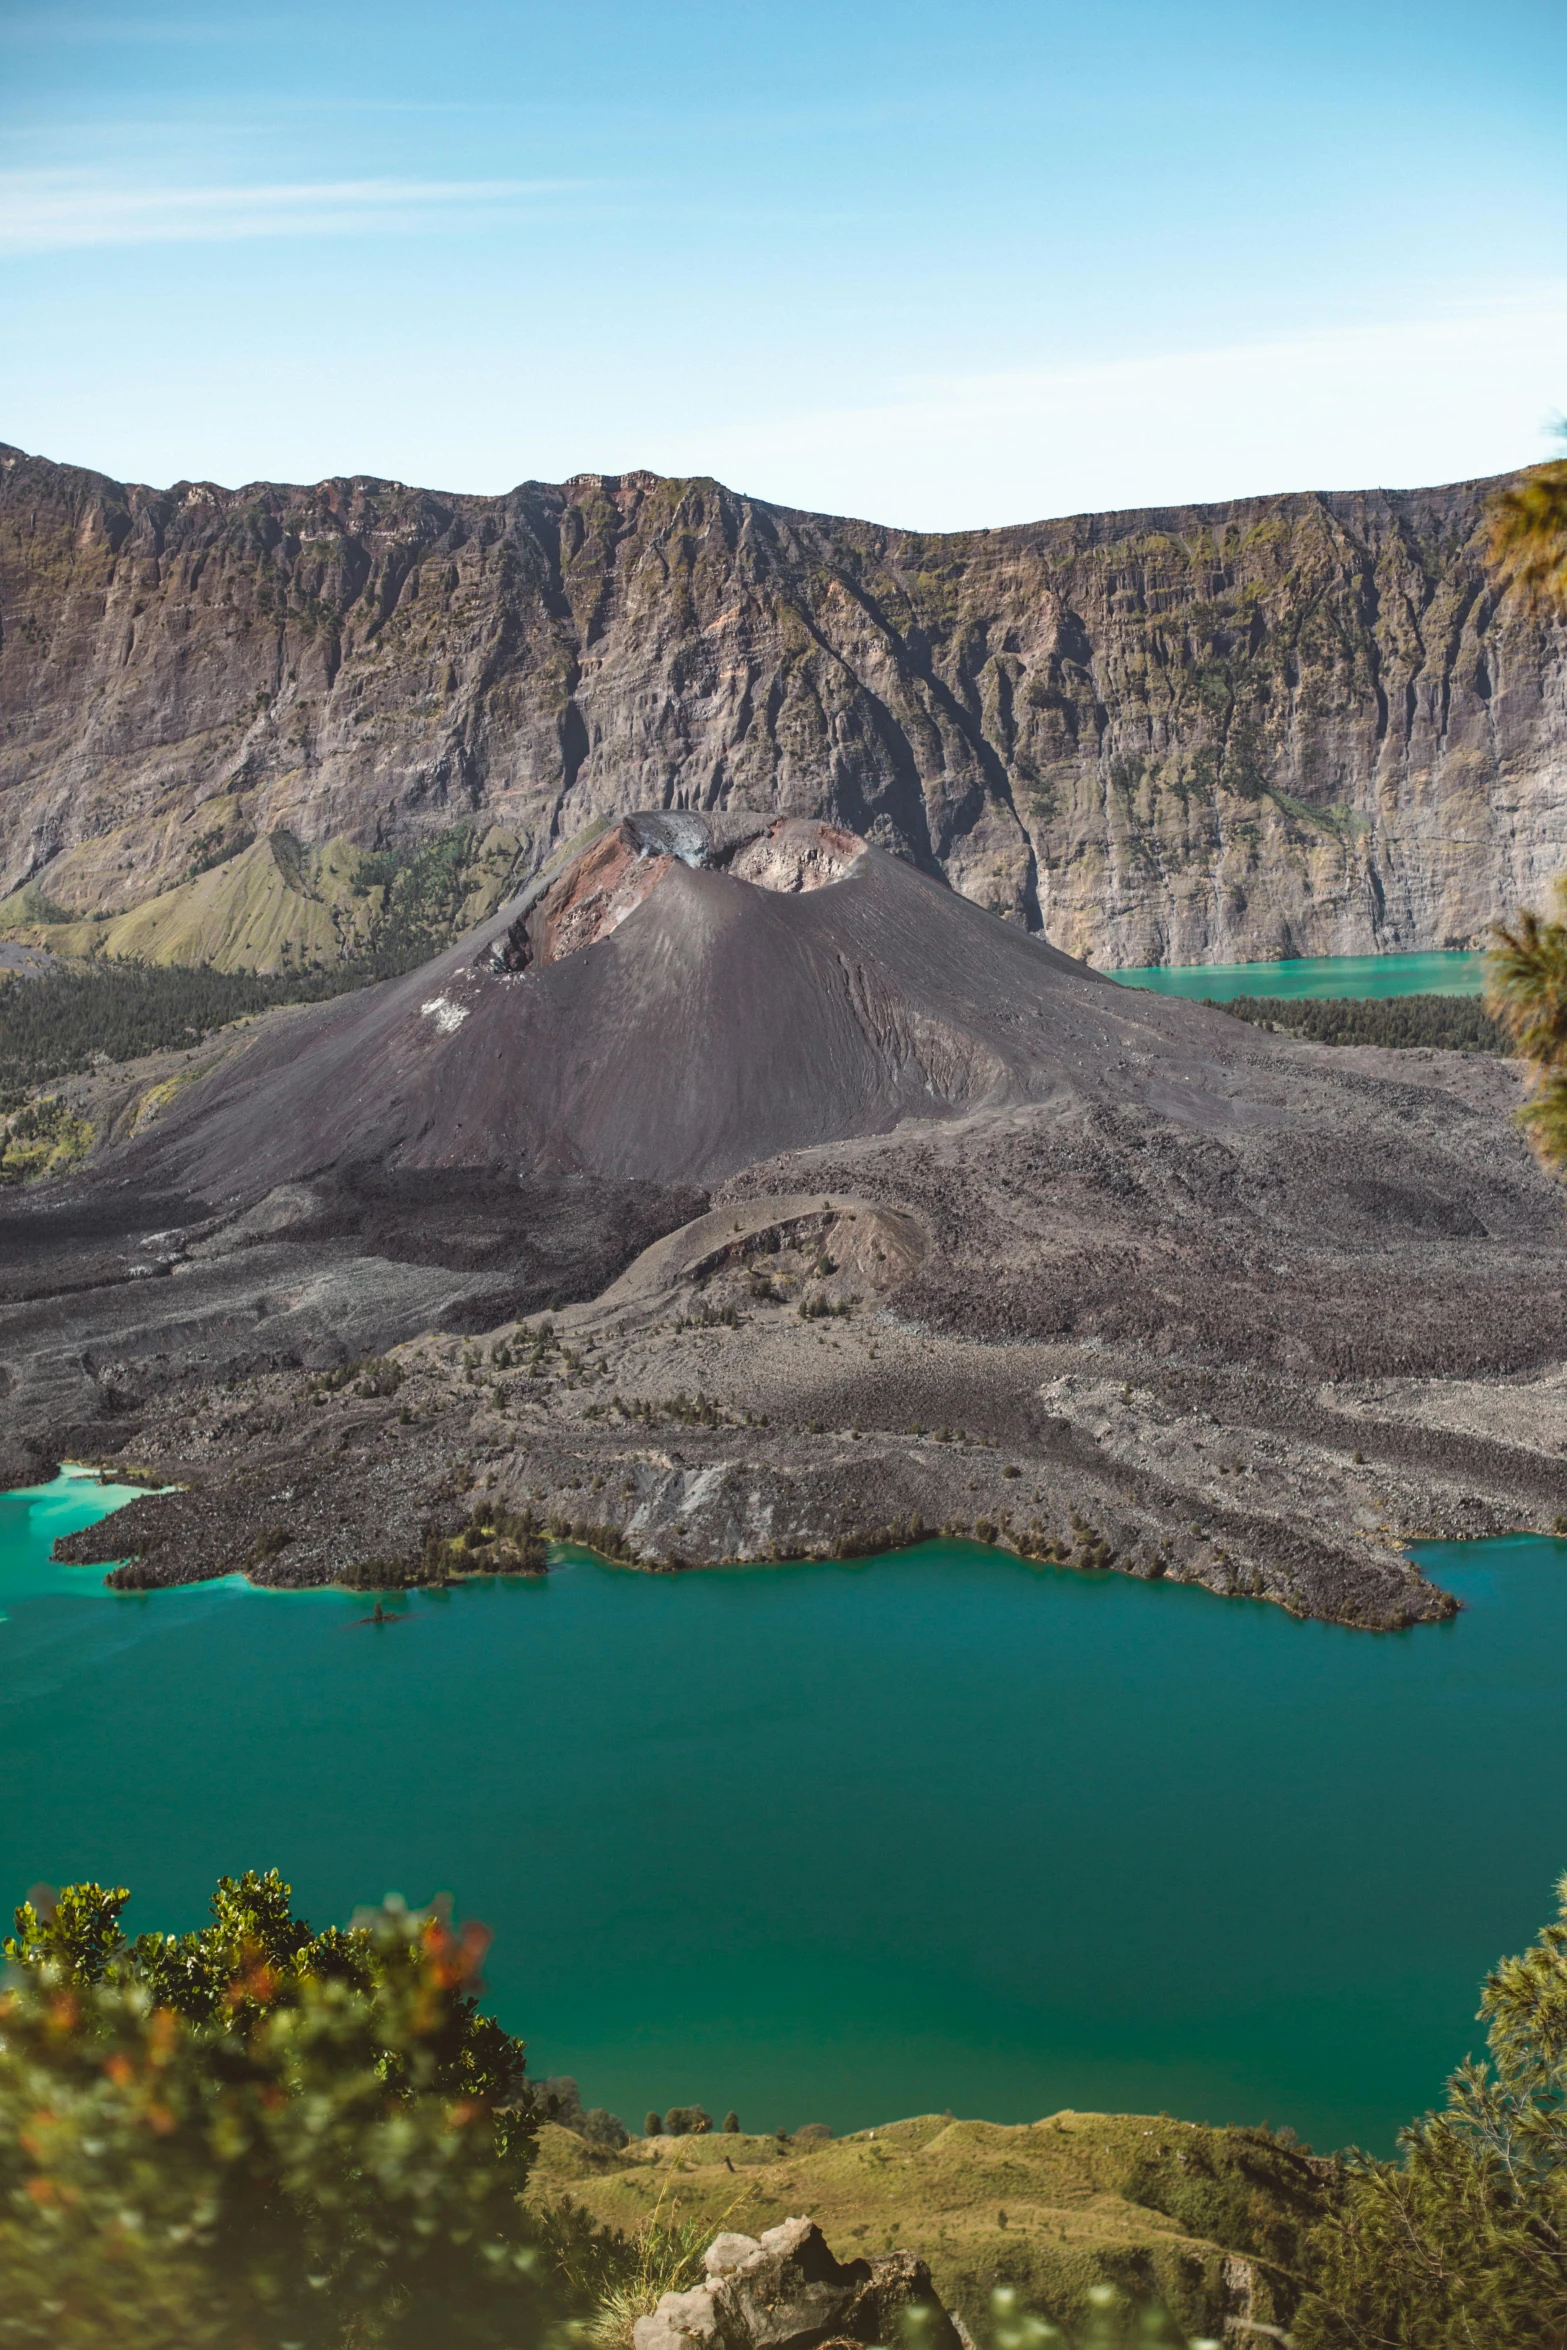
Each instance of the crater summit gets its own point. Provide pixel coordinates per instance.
(681, 996)
(608, 881)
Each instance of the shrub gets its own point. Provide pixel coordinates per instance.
(1461, 2242)
(256, 2133)
(710, 1318)
(560, 2100)
(132, 1575)
(43, 1137)
(687, 2121)
(494, 1539)
(822, 1309)
(270, 1543)
(369, 1375)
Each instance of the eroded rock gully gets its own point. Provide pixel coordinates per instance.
(1287, 725)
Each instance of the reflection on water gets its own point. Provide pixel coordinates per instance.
(844, 1842)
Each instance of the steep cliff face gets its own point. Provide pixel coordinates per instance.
(1291, 725)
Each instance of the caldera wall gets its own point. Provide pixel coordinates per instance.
(1285, 725)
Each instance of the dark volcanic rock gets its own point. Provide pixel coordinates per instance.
(1241, 1310)
(110, 1297)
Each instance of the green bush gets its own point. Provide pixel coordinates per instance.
(493, 1540)
(560, 2100)
(42, 1138)
(256, 2135)
(1462, 2244)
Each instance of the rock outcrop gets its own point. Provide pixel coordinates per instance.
(1286, 725)
(785, 2291)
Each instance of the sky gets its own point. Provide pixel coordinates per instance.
(941, 265)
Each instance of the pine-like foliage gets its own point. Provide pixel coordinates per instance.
(1528, 997)
(1527, 546)
(1462, 2245)
(60, 1023)
(1443, 1023)
(1526, 538)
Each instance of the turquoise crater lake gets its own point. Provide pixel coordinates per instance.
(841, 1843)
(1315, 975)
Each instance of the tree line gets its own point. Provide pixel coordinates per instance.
(60, 1023)
(1448, 1023)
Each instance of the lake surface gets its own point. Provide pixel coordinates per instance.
(1315, 975)
(843, 1843)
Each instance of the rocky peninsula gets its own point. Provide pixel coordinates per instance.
(740, 1192)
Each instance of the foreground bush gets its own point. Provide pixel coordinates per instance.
(1529, 998)
(255, 2137)
(1463, 2244)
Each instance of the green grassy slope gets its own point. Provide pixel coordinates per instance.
(1207, 2222)
(275, 905)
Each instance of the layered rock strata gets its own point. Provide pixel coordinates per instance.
(1290, 725)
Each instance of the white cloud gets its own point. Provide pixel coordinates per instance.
(1469, 390)
(45, 212)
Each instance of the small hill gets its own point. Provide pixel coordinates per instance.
(1205, 2221)
(275, 904)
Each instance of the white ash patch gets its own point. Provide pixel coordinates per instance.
(448, 1017)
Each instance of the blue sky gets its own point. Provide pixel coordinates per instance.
(941, 265)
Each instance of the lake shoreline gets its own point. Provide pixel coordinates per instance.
(995, 1776)
(1246, 1488)
(1408, 971)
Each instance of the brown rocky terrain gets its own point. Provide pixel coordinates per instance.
(786, 2291)
(1291, 725)
(853, 1213)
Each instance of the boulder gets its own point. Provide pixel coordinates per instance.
(785, 2291)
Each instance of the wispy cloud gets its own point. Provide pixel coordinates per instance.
(49, 212)
(57, 28)
(1471, 387)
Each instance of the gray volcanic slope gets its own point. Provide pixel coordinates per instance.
(867, 1168)
(717, 1024)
